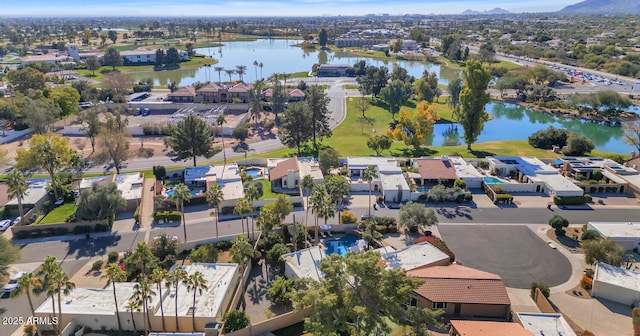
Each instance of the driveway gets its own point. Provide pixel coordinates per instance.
(512, 251)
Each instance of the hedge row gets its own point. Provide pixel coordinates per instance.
(167, 216)
(80, 229)
(572, 200)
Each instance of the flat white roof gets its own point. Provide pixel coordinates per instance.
(546, 324)
(96, 301)
(34, 193)
(88, 182)
(617, 229)
(391, 182)
(557, 182)
(232, 190)
(538, 171)
(130, 185)
(306, 263)
(311, 168)
(208, 304)
(464, 169)
(384, 164)
(617, 276)
(632, 179)
(219, 173)
(414, 256)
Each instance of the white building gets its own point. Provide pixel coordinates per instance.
(416, 256)
(467, 172)
(304, 263)
(141, 55)
(391, 182)
(34, 196)
(130, 185)
(627, 234)
(616, 284)
(545, 324)
(226, 176)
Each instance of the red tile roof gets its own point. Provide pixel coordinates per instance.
(459, 284)
(436, 168)
(211, 87)
(241, 87)
(282, 168)
(187, 91)
(486, 328)
(297, 93)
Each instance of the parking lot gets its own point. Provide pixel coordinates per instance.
(512, 251)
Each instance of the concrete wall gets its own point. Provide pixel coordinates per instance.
(521, 187)
(68, 226)
(542, 303)
(272, 324)
(10, 136)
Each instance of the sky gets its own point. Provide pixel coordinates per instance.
(175, 8)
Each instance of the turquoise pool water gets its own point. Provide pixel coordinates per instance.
(254, 172)
(492, 180)
(340, 246)
(422, 189)
(193, 193)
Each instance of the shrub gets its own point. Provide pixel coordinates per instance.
(577, 145)
(570, 200)
(136, 214)
(590, 235)
(97, 265)
(205, 254)
(381, 228)
(112, 257)
(589, 273)
(348, 218)
(586, 282)
(380, 199)
(223, 245)
(548, 138)
(462, 184)
(558, 223)
(543, 288)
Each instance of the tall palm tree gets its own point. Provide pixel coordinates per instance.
(306, 184)
(252, 194)
(241, 70)
(46, 270)
(255, 66)
(219, 69)
(159, 276)
(265, 221)
(196, 283)
(229, 73)
(131, 306)
(215, 197)
(221, 120)
(181, 194)
(240, 251)
(242, 208)
(176, 276)
(17, 187)
(369, 174)
(63, 285)
(114, 274)
(325, 210)
(27, 284)
(285, 76)
(260, 66)
(318, 201)
(143, 293)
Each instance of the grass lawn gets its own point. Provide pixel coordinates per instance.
(59, 214)
(300, 74)
(266, 190)
(352, 87)
(193, 62)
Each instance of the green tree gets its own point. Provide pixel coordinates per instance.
(425, 88)
(341, 308)
(337, 187)
(160, 56)
(632, 133)
(317, 102)
(240, 251)
(242, 208)
(558, 223)
(90, 121)
(544, 289)
(276, 251)
(577, 145)
(140, 262)
(279, 99)
(379, 143)
(181, 194)
(328, 158)
(362, 104)
(204, 254)
(46, 271)
(100, 202)
(281, 208)
(196, 283)
(215, 197)
(235, 320)
(159, 277)
(279, 292)
(114, 274)
(454, 88)
(143, 294)
(306, 185)
(319, 203)
(192, 138)
(172, 58)
(322, 37)
(48, 151)
(221, 120)
(27, 79)
(413, 215)
(240, 132)
(28, 284)
(67, 98)
(396, 94)
(113, 36)
(295, 130)
(252, 194)
(39, 114)
(473, 99)
(241, 70)
(603, 250)
(176, 277)
(112, 58)
(165, 249)
(16, 188)
(93, 64)
(255, 101)
(369, 174)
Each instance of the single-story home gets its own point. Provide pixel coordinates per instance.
(412, 257)
(227, 176)
(435, 170)
(487, 328)
(287, 174)
(545, 324)
(616, 284)
(304, 263)
(391, 182)
(626, 234)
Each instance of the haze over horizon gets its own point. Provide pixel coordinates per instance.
(47, 8)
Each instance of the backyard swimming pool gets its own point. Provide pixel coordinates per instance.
(492, 180)
(254, 172)
(422, 189)
(340, 245)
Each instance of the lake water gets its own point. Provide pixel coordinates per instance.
(513, 122)
(276, 56)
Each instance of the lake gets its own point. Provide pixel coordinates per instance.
(512, 122)
(277, 56)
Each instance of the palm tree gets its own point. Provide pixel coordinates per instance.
(318, 201)
(17, 187)
(114, 274)
(215, 197)
(241, 250)
(241, 70)
(229, 73)
(131, 306)
(62, 284)
(306, 184)
(159, 276)
(285, 76)
(325, 210)
(176, 276)
(252, 194)
(241, 209)
(260, 66)
(196, 283)
(27, 284)
(219, 69)
(265, 221)
(221, 120)
(46, 270)
(143, 293)
(181, 193)
(255, 66)
(369, 174)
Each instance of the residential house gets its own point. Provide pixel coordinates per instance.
(616, 284)
(616, 178)
(435, 170)
(130, 186)
(461, 291)
(487, 328)
(625, 234)
(545, 324)
(293, 95)
(414, 257)
(287, 174)
(391, 182)
(226, 176)
(239, 93)
(211, 93)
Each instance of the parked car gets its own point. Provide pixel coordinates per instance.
(5, 224)
(145, 112)
(17, 220)
(13, 283)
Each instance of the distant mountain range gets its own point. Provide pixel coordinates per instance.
(630, 7)
(489, 12)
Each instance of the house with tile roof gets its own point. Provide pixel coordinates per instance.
(486, 328)
(185, 94)
(461, 291)
(287, 174)
(293, 94)
(212, 93)
(435, 170)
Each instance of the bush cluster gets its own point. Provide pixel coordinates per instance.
(167, 216)
(571, 200)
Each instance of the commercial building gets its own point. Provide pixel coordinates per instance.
(462, 291)
(626, 234)
(391, 182)
(616, 284)
(545, 324)
(331, 70)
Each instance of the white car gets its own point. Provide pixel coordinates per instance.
(16, 221)
(5, 224)
(13, 283)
